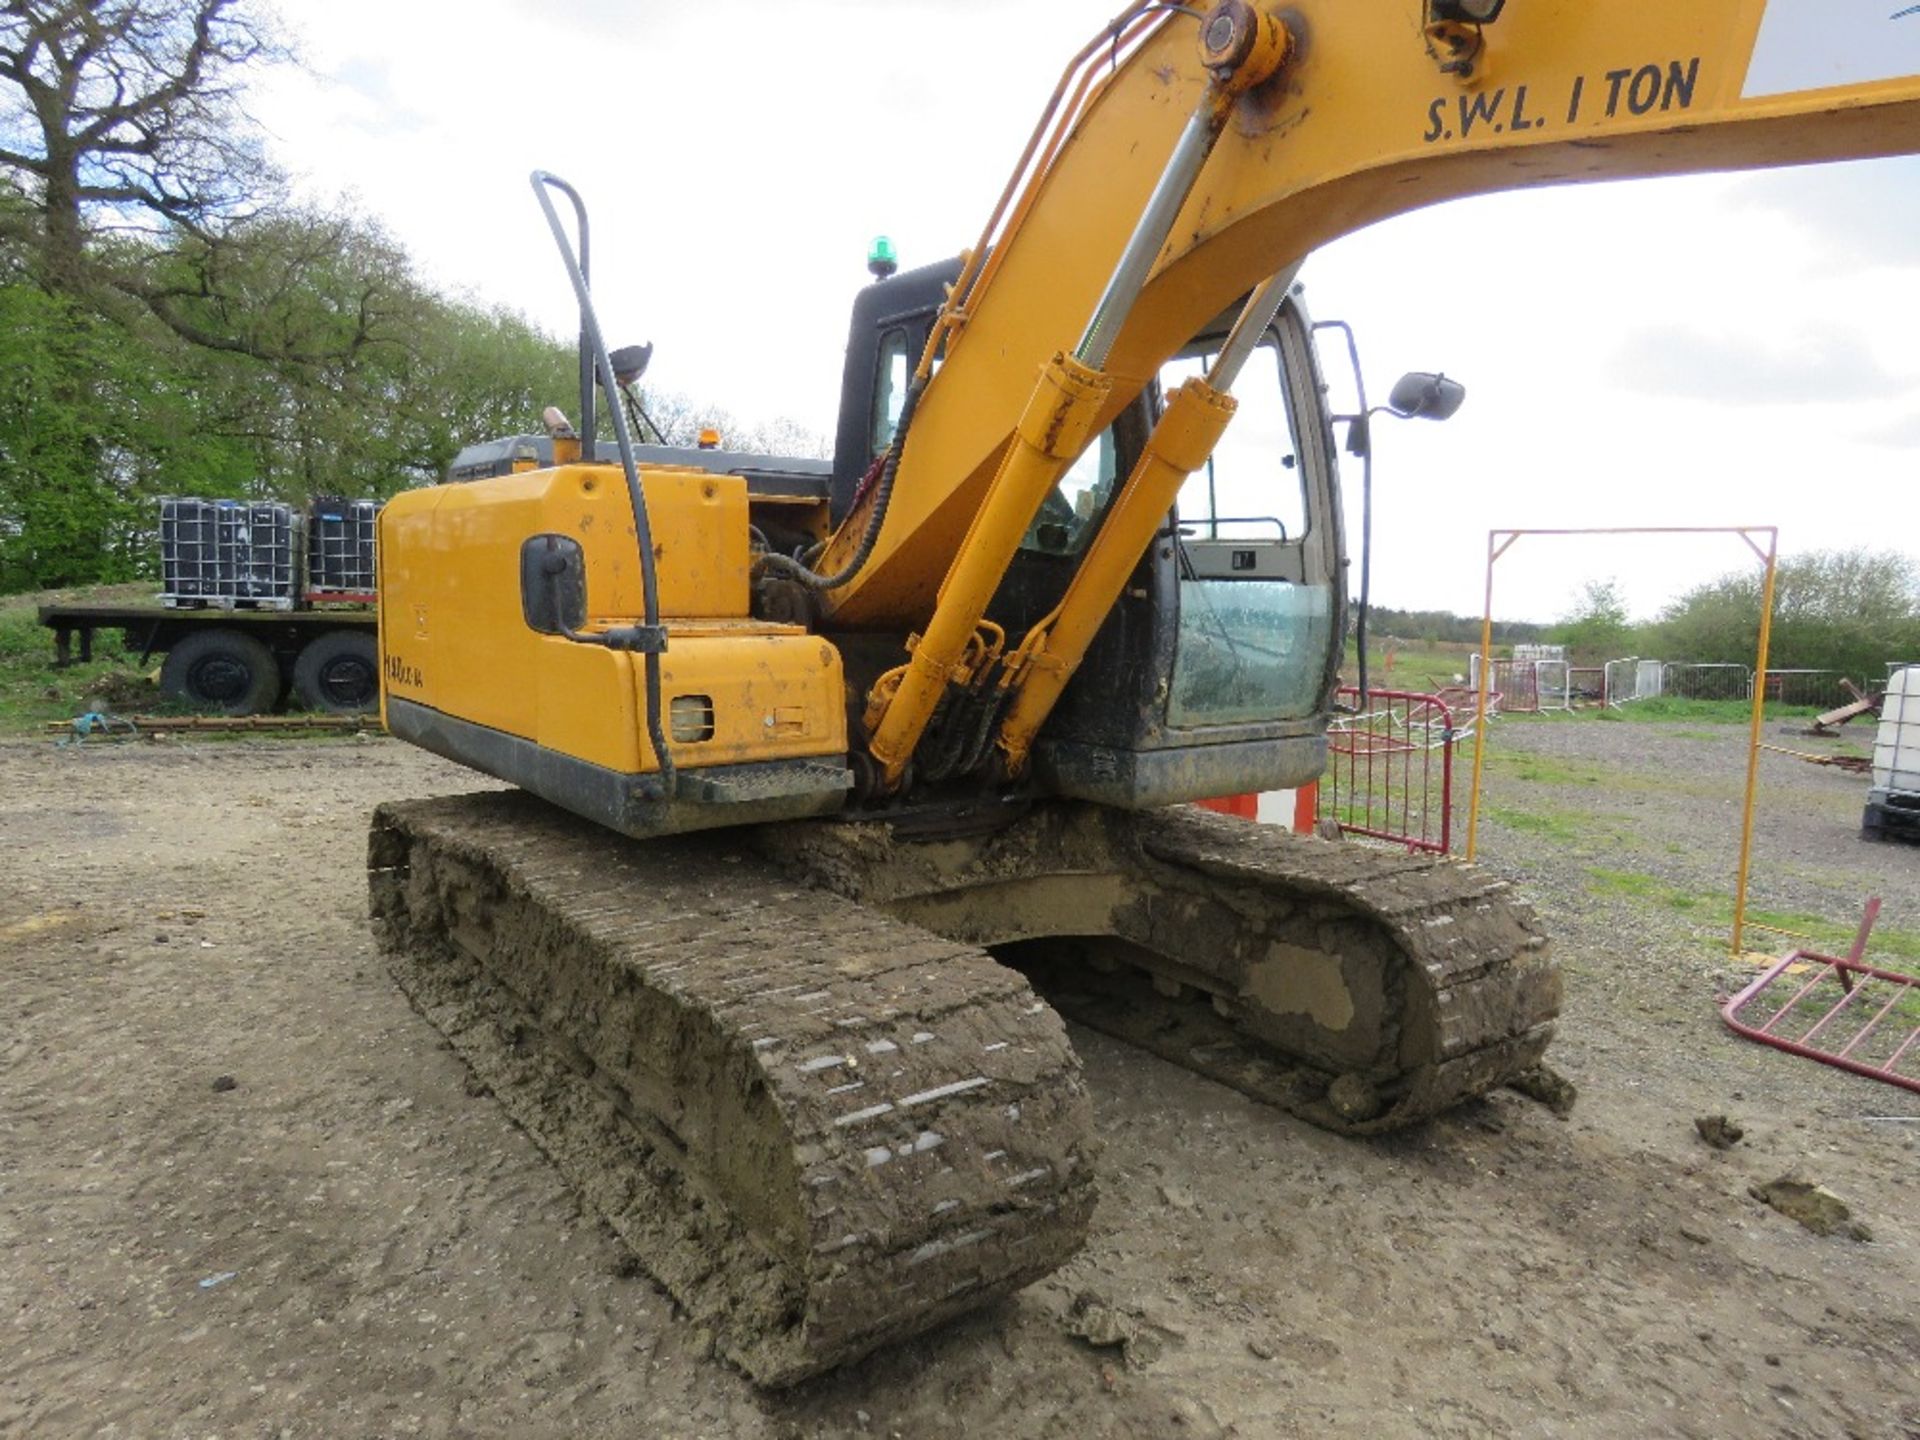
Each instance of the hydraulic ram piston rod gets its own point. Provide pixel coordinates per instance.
(1195, 418)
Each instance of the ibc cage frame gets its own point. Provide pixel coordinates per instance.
(224, 554)
(227, 554)
(340, 560)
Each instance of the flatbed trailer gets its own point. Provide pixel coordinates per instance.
(238, 661)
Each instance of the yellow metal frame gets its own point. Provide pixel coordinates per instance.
(1500, 541)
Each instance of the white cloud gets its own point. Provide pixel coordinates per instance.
(1860, 212)
(1902, 432)
(1828, 363)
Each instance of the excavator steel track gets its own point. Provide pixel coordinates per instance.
(781, 1064)
(820, 1128)
(1364, 990)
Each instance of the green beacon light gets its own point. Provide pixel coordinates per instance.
(881, 260)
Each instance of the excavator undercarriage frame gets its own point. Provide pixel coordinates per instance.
(801, 1070)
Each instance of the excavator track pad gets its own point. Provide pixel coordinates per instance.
(782, 1064)
(821, 1129)
(1362, 989)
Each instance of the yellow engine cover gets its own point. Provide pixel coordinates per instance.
(454, 636)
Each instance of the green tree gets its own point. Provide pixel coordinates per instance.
(120, 139)
(474, 374)
(1598, 627)
(170, 325)
(79, 464)
(1845, 610)
(348, 376)
(1442, 626)
(323, 310)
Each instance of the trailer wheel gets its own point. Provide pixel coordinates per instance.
(223, 670)
(338, 673)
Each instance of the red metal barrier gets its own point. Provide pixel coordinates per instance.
(1243, 807)
(1464, 699)
(1838, 1013)
(1517, 683)
(1390, 769)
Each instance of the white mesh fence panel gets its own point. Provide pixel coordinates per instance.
(1646, 680)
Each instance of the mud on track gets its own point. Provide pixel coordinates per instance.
(403, 1261)
(823, 1130)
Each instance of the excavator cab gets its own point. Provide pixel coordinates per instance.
(1215, 671)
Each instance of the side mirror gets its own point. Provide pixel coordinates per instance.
(1426, 397)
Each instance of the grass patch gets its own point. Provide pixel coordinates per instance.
(1421, 670)
(1558, 825)
(1711, 712)
(1349, 814)
(33, 691)
(1845, 1026)
(1820, 933)
(1635, 886)
(1543, 769)
(1835, 937)
(1594, 830)
(1622, 778)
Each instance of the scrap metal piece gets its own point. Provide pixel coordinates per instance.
(1843, 1012)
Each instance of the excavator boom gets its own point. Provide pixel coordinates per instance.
(1379, 108)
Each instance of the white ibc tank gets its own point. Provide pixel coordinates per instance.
(1896, 748)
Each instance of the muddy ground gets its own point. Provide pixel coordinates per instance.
(244, 1191)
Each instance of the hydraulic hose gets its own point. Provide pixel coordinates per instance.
(650, 640)
(883, 494)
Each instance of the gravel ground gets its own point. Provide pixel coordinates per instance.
(1664, 800)
(1626, 835)
(245, 1191)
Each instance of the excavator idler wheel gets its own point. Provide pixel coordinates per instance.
(820, 1128)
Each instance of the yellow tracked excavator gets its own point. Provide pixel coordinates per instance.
(829, 773)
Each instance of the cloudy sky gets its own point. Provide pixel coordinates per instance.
(1706, 351)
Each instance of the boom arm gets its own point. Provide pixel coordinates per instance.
(1361, 123)
(1380, 107)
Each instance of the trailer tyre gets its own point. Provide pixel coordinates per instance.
(339, 673)
(222, 670)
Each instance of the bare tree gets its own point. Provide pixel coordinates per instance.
(122, 114)
(682, 418)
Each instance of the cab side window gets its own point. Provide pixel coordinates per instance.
(889, 387)
(1252, 486)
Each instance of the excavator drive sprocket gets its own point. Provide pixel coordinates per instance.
(820, 1127)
